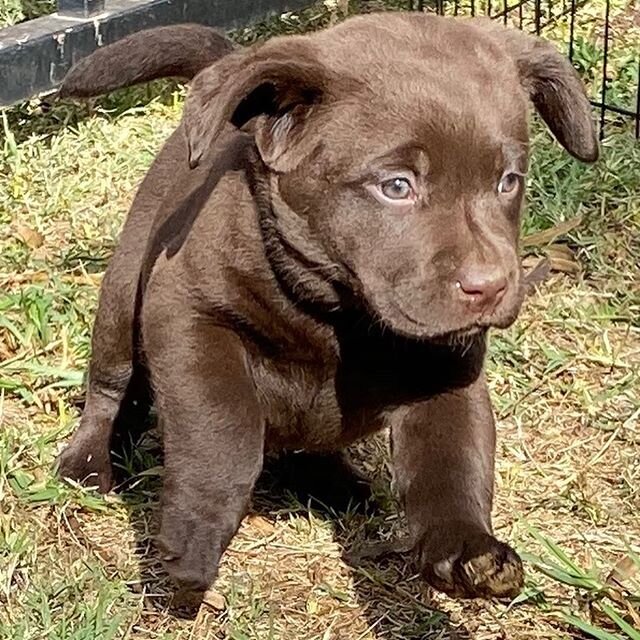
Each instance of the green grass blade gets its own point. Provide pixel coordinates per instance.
(559, 574)
(633, 634)
(556, 552)
(589, 629)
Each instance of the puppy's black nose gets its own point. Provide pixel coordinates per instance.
(482, 287)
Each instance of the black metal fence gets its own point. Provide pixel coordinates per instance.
(604, 48)
(36, 54)
(602, 38)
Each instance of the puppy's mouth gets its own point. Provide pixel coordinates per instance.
(413, 327)
(462, 333)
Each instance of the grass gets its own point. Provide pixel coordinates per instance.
(15, 11)
(564, 379)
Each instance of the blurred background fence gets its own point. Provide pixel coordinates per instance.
(601, 37)
(42, 38)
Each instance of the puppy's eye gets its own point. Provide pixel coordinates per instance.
(398, 190)
(509, 183)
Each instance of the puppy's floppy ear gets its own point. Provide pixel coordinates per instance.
(279, 84)
(555, 89)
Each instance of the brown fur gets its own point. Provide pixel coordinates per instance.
(277, 301)
(178, 51)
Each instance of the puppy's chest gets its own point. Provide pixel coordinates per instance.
(299, 404)
(303, 406)
(328, 404)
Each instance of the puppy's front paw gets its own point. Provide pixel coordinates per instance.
(468, 563)
(190, 549)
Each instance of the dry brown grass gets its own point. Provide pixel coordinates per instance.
(564, 380)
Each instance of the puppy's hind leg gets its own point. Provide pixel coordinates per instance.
(118, 395)
(117, 392)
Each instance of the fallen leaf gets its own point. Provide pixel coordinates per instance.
(27, 276)
(625, 569)
(32, 238)
(215, 600)
(261, 524)
(538, 273)
(561, 251)
(92, 279)
(41, 254)
(564, 266)
(543, 238)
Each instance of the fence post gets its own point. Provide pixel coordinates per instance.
(603, 90)
(80, 8)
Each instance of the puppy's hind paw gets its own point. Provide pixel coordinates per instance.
(87, 464)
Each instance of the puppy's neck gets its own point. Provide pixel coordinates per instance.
(304, 270)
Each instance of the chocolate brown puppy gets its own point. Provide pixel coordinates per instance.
(317, 253)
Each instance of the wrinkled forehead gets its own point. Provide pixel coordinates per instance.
(449, 93)
(469, 127)
(367, 44)
(436, 81)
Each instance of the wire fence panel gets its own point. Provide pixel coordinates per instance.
(602, 39)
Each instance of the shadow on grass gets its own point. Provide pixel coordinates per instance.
(389, 594)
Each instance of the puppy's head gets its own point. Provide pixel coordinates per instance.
(399, 144)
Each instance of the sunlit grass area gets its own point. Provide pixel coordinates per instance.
(564, 379)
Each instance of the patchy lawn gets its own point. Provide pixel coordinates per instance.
(74, 565)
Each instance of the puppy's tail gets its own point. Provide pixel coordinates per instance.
(178, 51)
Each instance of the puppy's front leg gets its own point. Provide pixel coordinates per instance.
(213, 441)
(443, 455)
